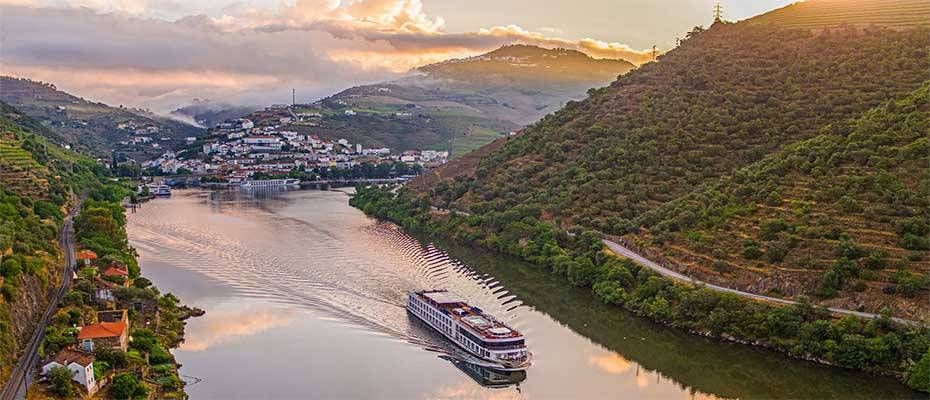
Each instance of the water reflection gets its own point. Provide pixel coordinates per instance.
(230, 322)
(475, 368)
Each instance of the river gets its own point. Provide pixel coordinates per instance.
(305, 299)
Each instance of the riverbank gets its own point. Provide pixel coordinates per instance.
(803, 331)
(109, 302)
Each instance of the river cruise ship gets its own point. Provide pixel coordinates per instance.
(470, 328)
(269, 183)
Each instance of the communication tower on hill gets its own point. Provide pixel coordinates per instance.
(718, 13)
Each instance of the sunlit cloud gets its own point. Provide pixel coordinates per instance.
(122, 52)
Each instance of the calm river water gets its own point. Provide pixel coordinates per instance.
(305, 299)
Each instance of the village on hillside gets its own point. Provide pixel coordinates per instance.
(275, 143)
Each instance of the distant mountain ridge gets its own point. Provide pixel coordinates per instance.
(462, 104)
(93, 126)
(525, 64)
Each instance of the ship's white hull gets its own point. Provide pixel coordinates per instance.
(461, 343)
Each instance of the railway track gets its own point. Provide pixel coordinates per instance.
(21, 376)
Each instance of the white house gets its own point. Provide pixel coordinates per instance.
(81, 363)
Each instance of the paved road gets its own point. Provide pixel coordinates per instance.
(22, 373)
(619, 249)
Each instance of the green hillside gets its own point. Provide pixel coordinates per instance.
(38, 181)
(841, 217)
(89, 125)
(723, 100)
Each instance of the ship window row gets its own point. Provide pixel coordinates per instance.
(511, 345)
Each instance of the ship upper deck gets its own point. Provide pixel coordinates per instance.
(457, 308)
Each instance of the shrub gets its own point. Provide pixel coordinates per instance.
(752, 252)
(11, 268)
(918, 375)
(127, 386)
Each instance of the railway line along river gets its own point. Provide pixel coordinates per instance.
(305, 299)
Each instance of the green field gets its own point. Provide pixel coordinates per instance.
(476, 137)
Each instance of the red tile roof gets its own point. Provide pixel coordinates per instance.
(103, 284)
(86, 255)
(102, 330)
(115, 270)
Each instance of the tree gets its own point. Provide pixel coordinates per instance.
(127, 386)
(918, 375)
(141, 282)
(60, 379)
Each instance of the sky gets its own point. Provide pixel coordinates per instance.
(161, 54)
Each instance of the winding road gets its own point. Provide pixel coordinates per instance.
(22, 373)
(668, 273)
(635, 257)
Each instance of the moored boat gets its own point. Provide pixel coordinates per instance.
(470, 328)
(269, 183)
(162, 190)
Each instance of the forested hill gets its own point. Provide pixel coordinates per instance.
(460, 105)
(93, 126)
(721, 101)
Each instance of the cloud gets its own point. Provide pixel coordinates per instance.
(120, 52)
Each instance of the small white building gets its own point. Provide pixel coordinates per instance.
(81, 363)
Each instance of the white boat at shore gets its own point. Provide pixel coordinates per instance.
(470, 328)
(269, 183)
(162, 190)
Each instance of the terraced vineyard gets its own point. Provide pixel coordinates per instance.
(841, 216)
(474, 139)
(18, 170)
(831, 13)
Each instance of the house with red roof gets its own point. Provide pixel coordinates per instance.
(86, 256)
(114, 335)
(118, 270)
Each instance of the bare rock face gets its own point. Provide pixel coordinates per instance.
(33, 297)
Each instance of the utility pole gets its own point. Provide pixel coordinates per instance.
(718, 13)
